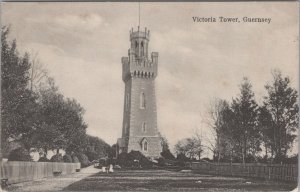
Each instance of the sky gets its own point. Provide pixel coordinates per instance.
(81, 45)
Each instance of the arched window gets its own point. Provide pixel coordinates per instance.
(142, 101)
(142, 48)
(145, 146)
(144, 127)
(136, 44)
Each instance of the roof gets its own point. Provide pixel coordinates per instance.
(121, 142)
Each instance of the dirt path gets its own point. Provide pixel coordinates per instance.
(53, 183)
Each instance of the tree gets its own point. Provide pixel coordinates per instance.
(281, 103)
(266, 129)
(38, 75)
(217, 111)
(60, 121)
(18, 103)
(245, 111)
(164, 143)
(190, 147)
(96, 148)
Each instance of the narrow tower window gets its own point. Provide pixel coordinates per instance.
(126, 128)
(145, 146)
(127, 101)
(142, 48)
(142, 101)
(144, 127)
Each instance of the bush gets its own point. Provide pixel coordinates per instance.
(134, 159)
(67, 158)
(75, 159)
(83, 159)
(182, 157)
(161, 161)
(167, 154)
(57, 158)
(43, 159)
(19, 154)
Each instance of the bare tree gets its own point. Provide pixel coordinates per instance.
(38, 73)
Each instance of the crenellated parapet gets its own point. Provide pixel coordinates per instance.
(139, 68)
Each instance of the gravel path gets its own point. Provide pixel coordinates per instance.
(53, 183)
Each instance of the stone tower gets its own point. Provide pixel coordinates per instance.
(139, 129)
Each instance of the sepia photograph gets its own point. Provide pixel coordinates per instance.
(149, 96)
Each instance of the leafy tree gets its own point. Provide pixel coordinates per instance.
(96, 148)
(190, 147)
(19, 154)
(281, 103)
(18, 106)
(266, 129)
(61, 121)
(245, 111)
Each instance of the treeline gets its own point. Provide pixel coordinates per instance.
(246, 131)
(35, 115)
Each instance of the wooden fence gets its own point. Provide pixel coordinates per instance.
(19, 171)
(265, 171)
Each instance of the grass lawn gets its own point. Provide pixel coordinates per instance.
(162, 180)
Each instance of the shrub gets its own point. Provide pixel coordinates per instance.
(167, 154)
(83, 159)
(134, 159)
(19, 154)
(67, 158)
(161, 161)
(57, 158)
(43, 159)
(75, 159)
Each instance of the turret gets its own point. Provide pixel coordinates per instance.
(137, 64)
(139, 43)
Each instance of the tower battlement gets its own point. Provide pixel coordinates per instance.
(139, 68)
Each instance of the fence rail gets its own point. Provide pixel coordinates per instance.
(19, 171)
(271, 172)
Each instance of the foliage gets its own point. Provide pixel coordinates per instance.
(18, 107)
(243, 127)
(96, 148)
(75, 159)
(57, 158)
(67, 158)
(43, 159)
(190, 147)
(19, 154)
(182, 158)
(282, 118)
(164, 143)
(246, 132)
(83, 159)
(167, 154)
(133, 159)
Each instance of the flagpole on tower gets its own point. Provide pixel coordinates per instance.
(139, 13)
